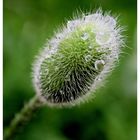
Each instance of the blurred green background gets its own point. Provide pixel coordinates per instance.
(111, 115)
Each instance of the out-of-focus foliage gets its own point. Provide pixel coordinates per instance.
(110, 116)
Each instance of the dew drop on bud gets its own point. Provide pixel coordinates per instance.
(110, 21)
(99, 79)
(56, 68)
(84, 36)
(88, 58)
(103, 38)
(99, 64)
(46, 71)
(71, 98)
(72, 24)
(98, 50)
(90, 47)
(61, 92)
(97, 15)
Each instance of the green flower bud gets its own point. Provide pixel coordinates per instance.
(76, 61)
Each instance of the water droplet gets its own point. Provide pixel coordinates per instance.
(110, 21)
(88, 58)
(56, 68)
(99, 64)
(67, 79)
(99, 79)
(85, 36)
(90, 47)
(59, 36)
(97, 15)
(61, 56)
(46, 71)
(72, 24)
(98, 49)
(88, 18)
(55, 94)
(107, 18)
(50, 59)
(103, 38)
(61, 92)
(53, 51)
(71, 98)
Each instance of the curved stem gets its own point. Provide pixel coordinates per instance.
(22, 118)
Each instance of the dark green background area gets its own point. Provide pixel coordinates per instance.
(111, 115)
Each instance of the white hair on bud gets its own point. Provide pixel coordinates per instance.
(107, 36)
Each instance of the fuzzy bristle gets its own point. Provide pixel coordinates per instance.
(77, 60)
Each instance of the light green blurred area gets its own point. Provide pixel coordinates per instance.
(111, 115)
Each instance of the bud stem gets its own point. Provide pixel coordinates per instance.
(22, 118)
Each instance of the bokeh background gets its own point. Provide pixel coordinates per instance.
(111, 115)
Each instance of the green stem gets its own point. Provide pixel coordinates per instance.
(22, 118)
